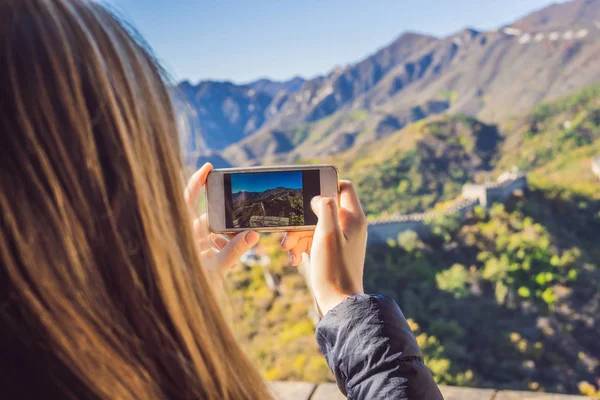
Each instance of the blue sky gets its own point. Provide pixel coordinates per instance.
(265, 181)
(242, 40)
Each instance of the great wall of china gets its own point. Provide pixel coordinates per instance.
(384, 229)
(553, 36)
(525, 37)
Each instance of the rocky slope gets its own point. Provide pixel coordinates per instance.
(488, 75)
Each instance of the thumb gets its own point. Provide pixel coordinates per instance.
(327, 213)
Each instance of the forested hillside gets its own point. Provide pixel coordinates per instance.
(508, 299)
(427, 162)
(424, 164)
(557, 141)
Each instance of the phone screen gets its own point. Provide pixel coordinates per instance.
(270, 199)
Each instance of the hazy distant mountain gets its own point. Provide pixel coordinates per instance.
(222, 113)
(273, 87)
(489, 75)
(213, 157)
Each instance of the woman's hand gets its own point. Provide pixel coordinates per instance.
(337, 248)
(217, 253)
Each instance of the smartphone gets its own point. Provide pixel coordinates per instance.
(267, 199)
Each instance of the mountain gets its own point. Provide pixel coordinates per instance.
(239, 198)
(221, 113)
(423, 164)
(557, 142)
(560, 15)
(507, 297)
(427, 162)
(273, 87)
(278, 202)
(487, 75)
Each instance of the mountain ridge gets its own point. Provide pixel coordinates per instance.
(489, 75)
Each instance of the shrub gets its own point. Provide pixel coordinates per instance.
(454, 280)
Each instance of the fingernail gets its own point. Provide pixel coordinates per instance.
(252, 238)
(314, 201)
(292, 258)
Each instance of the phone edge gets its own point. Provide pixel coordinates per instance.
(302, 228)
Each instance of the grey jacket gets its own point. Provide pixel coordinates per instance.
(372, 351)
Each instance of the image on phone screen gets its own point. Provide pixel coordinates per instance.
(270, 199)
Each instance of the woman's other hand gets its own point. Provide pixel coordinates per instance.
(337, 248)
(218, 254)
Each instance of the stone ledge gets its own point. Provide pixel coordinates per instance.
(292, 390)
(514, 395)
(329, 391)
(459, 393)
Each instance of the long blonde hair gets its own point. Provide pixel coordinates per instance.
(102, 294)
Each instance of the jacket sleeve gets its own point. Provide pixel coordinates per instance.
(372, 351)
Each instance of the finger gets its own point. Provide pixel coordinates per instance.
(205, 243)
(352, 224)
(327, 213)
(220, 241)
(295, 258)
(303, 245)
(209, 253)
(296, 253)
(201, 227)
(237, 247)
(291, 239)
(212, 240)
(351, 215)
(195, 185)
(349, 198)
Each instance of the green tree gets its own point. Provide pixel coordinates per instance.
(454, 280)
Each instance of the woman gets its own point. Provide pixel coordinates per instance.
(103, 294)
